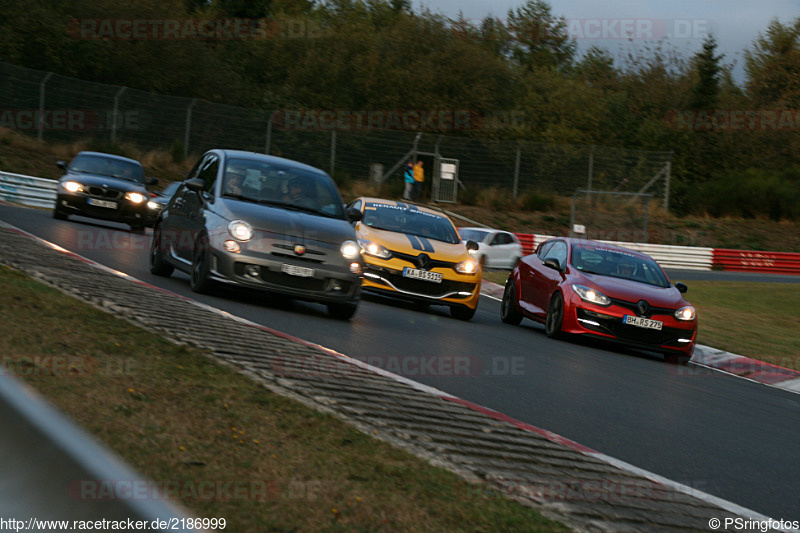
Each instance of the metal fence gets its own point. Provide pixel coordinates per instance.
(64, 109)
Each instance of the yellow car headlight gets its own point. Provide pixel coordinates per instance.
(374, 249)
(468, 266)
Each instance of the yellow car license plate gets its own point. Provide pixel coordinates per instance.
(424, 275)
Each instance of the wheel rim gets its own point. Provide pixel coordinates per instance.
(554, 317)
(507, 300)
(198, 265)
(155, 249)
(197, 268)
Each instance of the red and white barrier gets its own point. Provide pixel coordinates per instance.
(697, 258)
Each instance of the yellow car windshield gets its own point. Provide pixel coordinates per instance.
(409, 220)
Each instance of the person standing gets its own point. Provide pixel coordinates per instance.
(408, 179)
(419, 178)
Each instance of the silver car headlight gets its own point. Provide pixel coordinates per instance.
(135, 197)
(468, 266)
(686, 313)
(240, 230)
(155, 206)
(590, 295)
(72, 186)
(374, 249)
(350, 250)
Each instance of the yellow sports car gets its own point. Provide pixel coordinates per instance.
(416, 253)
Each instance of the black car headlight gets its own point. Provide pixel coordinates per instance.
(72, 186)
(374, 249)
(135, 197)
(240, 230)
(590, 295)
(686, 313)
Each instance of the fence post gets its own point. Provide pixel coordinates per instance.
(666, 184)
(333, 151)
(40, 122)
(591, 169)
(269, 135)
(115, 113)
(515, 188)
(188, 128)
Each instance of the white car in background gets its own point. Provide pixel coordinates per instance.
(496, 248)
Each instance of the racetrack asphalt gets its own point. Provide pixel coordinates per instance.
(712, 358)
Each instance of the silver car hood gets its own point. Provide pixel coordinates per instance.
(281, 221)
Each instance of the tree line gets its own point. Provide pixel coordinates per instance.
(735, 145)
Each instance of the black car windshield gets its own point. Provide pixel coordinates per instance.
(263, 182)
(607, 261)
(409, 220)
(107, 166)
(476, 235)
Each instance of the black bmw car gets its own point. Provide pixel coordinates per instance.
(104, 186)
(264, 223)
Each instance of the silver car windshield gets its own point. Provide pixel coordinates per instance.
(262, 182)
(473, 235)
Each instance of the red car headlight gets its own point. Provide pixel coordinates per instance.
(686, 313)
(590, 295)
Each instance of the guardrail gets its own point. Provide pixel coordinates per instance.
(27, 190)
(697, 258)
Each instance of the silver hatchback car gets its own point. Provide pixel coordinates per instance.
(265, 223)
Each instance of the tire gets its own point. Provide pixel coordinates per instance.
(342, 311)
(462, 313)
(555, 316)
(508, 310)
(158, 266)
(58, 214)
(199, 279)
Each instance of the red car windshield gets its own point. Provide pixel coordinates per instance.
(617, 263)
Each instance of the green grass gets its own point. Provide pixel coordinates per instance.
(757, 320)
(180, 418)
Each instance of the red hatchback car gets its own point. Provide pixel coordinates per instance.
(585, 287)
